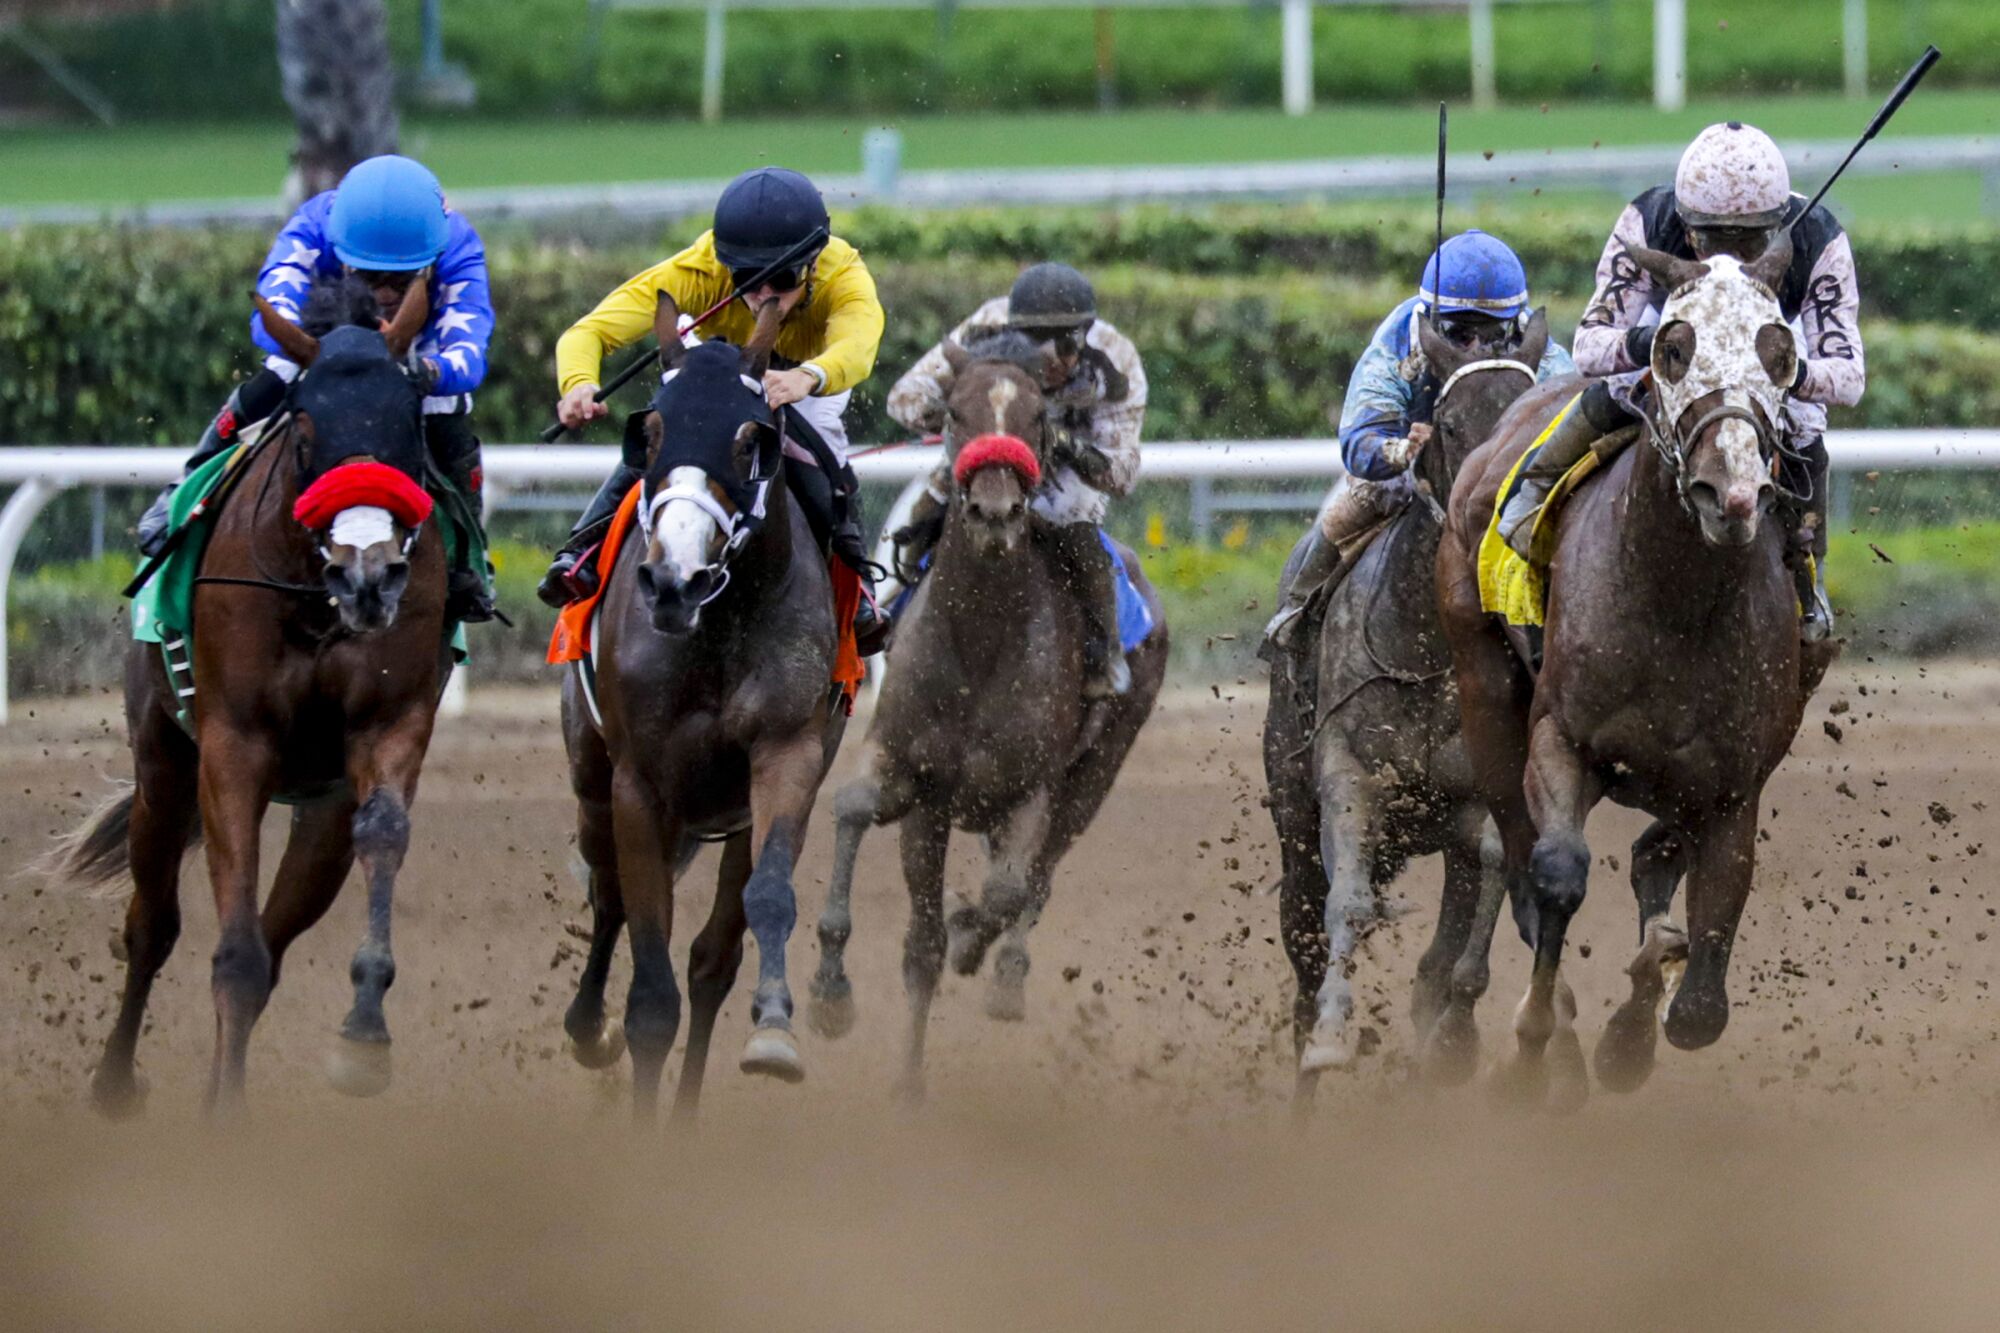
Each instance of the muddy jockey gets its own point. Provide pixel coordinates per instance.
(1476, 293)
(386, 223)
(1097, 405)
(1732, 195)
(826, 345)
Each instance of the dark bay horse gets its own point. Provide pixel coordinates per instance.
(1672, 679)
(713, 720)
(1362, 751)
(318, 657)
(982, 721)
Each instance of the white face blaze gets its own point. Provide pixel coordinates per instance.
(1726, 308)
(1002, 395)
(361, 527)
(687, 532)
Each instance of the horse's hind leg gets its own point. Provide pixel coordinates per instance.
(856, 806)
(1451, 1047)
(1624, 1056)
(925, 834)
(239, 771)
(646, 835)
(318, 854)
(1348, 835)
(784, 778)
(1457, 906)
(713, 961)
(1017, 886)
(594, 1043)
(160, 823)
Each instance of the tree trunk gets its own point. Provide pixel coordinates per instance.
(333, 59)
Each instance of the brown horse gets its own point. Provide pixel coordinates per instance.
(1362, 752)
(712, 721)
(1672, 675)
(317, 664)
(982, 724)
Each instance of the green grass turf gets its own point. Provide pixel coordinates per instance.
(139, 163)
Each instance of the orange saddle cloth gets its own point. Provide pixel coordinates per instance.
(571, 640)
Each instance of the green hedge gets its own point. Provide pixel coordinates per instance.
(214, 59)
(125, 335)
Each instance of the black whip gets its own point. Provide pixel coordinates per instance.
(1903, 90)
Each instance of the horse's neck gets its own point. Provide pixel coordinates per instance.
(763, 567)
(259, 520)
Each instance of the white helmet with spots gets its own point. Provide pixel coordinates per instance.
(1732, 175)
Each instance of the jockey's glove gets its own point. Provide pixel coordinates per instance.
(1639, 343)
(1088, 461)
(1399, 454)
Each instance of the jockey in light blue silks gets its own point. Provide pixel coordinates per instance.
(1480, 298)
(386, 224)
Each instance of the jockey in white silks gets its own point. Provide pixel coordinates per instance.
(1476, 293)
(1731, 196)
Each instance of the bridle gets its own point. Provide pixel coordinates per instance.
(1452, 381)
(738, 526)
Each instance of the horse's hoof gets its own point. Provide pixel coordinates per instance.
(772, 1052)
(358, 1068)
(1569, 1077)
(1623, 1060)
(965, 946)
(1428, 998)
(1521, 1084)
(1695, 1021)
(600, 1050)
(1006, 1002)
(118, 1096)
(119, 953)
(1451, 1055)
(1320, 1056)
(830, 1010)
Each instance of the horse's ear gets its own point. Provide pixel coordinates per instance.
(667, 330)
(743, 452)
(757, 355)
(1769, 267)
(1534, 338)
(292, 340)
(1670, 271)
(1440, 355)
(411, 316)
(656, 434)
(955, 355)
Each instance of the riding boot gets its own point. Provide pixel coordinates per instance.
(1809, 540)
(1086, 566)
(1588, 419)
(248, 403)
(1319, 563)
(469, 585)
(570, 577)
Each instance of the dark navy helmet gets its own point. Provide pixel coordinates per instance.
(762, 214)
(1481, 276)
(1051, 297)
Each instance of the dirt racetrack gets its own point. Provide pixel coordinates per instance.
(1124, 1158)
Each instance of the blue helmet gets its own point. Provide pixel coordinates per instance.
(1480, 275)
(388, 216)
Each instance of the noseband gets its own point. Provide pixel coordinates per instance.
(737, 527)
(1475, 367)
(1674, 446)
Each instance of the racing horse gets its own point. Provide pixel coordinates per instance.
(982, 722)
(1361, 747)
(1672, 676)
(710, 718)
(317, 661)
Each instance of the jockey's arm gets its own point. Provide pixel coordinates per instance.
(620, 319)
(1115, 426)
(854, 323)
(1376, 412)
(917, 402)
(1832, 370)
(1624, 293)
(462, 321)
(300, 254)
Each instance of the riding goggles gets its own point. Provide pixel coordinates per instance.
(396, 280)
(1066, 339)
(1465, 330)
(755, 279)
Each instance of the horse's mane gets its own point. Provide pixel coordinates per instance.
(335, 302)
(1011, 347)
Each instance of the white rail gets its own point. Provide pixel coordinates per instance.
(40, 474)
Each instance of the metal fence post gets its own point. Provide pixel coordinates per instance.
(711, 62)
(28, 500)
(1854, 47)
(1670, 36)
(1485, 85)
(1296, 36)
(1201, 508)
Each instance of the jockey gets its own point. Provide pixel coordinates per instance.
(1096, 404)
(826, 345)
(1480, 300)
(1732, 195)
(387, 223)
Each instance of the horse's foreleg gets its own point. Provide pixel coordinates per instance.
(594, 1043)
(239, 771)
(1624, 1056)
(784, 777)
(713, 961)
(383, 771)
(647, 836)
(318, 855)
(1016, 887)
(1457, 906)
(1725, 863)
(925, 835)
(1472, 869)
(163, 803)
(1348, 830)
(856, 806)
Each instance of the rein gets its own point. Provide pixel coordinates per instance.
(738, 527)
(286, 427)
(1475, 367)
(1673, 445)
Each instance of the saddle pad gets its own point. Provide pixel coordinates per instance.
(1511, 586)
(1135, 617)
(163, 610)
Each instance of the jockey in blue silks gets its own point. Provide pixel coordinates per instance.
(387, 224)
(1476, 293)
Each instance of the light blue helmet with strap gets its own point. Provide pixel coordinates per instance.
(1481, 275)
(388, 216)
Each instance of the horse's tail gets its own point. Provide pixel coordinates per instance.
(98, 851)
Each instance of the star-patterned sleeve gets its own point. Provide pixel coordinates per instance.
(299, 255)
(461, 313)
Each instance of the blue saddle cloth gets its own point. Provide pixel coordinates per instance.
(1135, 617)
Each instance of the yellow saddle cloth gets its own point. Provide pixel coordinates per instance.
(1512, 586)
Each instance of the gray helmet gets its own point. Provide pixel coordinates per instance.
(1051, 296)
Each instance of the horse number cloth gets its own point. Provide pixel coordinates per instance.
(1510, 586)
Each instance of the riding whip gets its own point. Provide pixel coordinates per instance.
(1437, 250)
(1903, 90)
(196, 516)
(638, 363)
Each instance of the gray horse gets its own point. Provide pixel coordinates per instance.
(1363, 756)
(983, 724)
